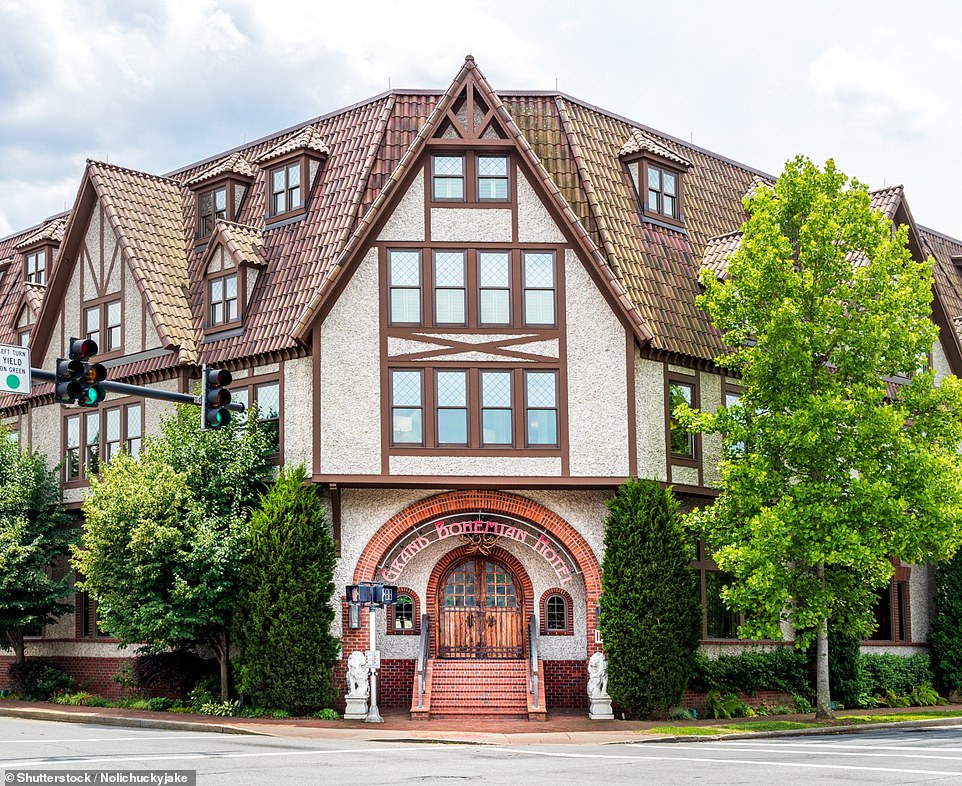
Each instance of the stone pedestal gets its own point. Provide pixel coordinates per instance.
(600, 708)
(356, 708)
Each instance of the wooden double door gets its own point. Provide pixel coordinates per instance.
(480, 611)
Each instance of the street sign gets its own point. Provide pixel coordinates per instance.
(14, 369)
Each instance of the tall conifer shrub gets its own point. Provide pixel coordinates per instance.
(946, 632)
(650, 611)
(284, 621)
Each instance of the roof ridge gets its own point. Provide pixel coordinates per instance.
(937, 233)
(129, 170)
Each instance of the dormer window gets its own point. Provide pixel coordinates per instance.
(213, 205)
(657, 174)
(286, 188)
(222, 300)
(35, 266)
(662, 191)
(292, 167)
(102, 323)
(221, 190)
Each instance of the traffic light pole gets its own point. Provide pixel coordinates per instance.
(39, 375)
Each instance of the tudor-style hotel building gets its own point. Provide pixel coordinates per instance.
(467, 313)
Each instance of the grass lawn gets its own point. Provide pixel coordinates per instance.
(774, 725)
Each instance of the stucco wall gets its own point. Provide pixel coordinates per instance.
(597, 378)
(650, 418)
(407, 219)
(535, 224)
(350, 362)
(298, 431)
(467, 225)
(940, 362)
(482, 466)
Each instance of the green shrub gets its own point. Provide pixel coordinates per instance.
(846, 680)
(253, 712)
(945, 633)
(883, 672)
(650, 612)
(278, 714)
(327, 714)
(222, 709)
(726, 706)
(925, 696)
(206, 691)
(39, 680)
(284, 610)
(160, 704)
(780, 669)
(81, 699)
(802, 705)
(681, 713)
(893, 699)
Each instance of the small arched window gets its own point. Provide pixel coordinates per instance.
(556, 613)
(403, 616)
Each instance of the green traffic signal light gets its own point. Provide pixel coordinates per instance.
(214, 398)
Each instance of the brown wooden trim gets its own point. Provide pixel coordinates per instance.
(483, 482)
(336, 516)
(632, 408)
(101, 302)
(316, 407)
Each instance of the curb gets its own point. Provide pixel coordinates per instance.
(123, 721)
(440, 738)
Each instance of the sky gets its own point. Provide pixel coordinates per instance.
(155, 85)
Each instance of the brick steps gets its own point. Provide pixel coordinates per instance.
(479, 688)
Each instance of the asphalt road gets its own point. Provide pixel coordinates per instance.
(929, 756)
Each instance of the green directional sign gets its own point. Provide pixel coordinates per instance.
(14, 369)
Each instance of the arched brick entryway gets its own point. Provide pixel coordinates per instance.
(495, 502)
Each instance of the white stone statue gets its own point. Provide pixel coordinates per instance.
(597, 676)
(600, 708)
(357, 676)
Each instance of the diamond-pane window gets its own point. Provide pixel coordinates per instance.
(452, 389)
(539, 288)
(494, 287)
(541, 389)
(449, 290)
(404, 277)
(492, 177)
(407, 388)
(447, 177)
(496, 420)
(448, 165)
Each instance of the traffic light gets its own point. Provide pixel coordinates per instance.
(214, 398)
(78, 380)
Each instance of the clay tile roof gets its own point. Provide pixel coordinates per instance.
(307, 138)
(756, 182)
(234, 164)
(639, 142)
(52, 232)
(947, 275)
(147, 214)
(718, 251)
(33, 294)
(244, 243)
(887, 200)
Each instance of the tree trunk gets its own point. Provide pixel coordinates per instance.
(823, 697)
(15, 637)
(222, 651)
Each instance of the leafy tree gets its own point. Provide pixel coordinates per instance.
(284, 611)
(166, 533)
(34, 534)
(841, 469)
(945, 635)
(650, 613)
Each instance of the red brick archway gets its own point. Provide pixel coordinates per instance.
(496, 502)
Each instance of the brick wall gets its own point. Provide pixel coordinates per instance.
(95, 675)
(769, 697)
(565, 683)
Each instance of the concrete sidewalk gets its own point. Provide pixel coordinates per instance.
(562, 727)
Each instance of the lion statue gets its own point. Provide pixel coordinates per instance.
(357, 672)
(597, 676)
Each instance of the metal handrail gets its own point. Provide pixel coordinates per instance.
(533, 650)
(423, 659)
